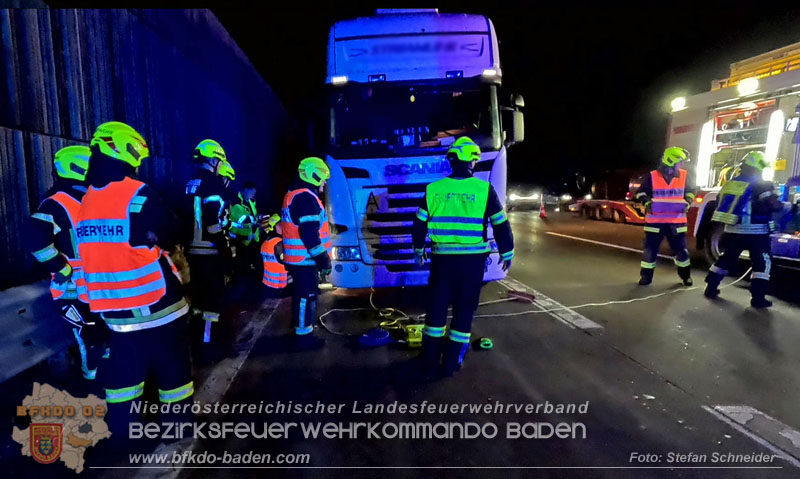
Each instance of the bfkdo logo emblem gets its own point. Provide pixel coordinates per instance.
(46, 442)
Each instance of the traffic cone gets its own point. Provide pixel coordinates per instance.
(542, 212)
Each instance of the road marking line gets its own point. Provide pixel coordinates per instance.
(216, 385)
(780, 438)
(565, 315)
(610, 245)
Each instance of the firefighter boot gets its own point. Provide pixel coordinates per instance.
(453, 357)
(308, 341)
(685, 273)
(646, 276)
(758, 290)
(712, 285)
(431, 356)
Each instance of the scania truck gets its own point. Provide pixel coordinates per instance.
(401, 87)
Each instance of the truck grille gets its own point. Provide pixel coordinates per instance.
(388, 230)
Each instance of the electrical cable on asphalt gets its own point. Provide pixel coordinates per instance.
(389, 323)
(395, 323)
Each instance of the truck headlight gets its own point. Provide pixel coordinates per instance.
(346, 253)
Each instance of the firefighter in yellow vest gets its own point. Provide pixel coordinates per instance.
(666, 195)
(455, 213)
(51, 242)
(306, 243)
(745, 206)
(124, 230)
(245, 232)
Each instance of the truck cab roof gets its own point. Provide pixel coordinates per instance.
(408, 45)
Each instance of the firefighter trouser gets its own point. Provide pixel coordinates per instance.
(456, 280)
(248, 266)
(676, 236)
(90, 333)
(207, 274)
(161, 354)
(304, 298)
(759, 247)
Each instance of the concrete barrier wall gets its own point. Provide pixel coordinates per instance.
(176, 76)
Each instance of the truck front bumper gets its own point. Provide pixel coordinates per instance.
(356, 274)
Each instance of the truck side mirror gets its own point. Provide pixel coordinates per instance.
(517, 127)
(514, 121)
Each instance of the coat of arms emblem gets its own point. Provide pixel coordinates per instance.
(46, 442)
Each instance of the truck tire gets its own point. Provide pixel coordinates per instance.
(618, 217)
(585, 212)
(712, 245)
(596, 214)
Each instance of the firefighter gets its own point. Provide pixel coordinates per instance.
(124, 231)
(306, 242)
(245, 232)
(745, 206)
(666, 195)
(50, 240)
(455, 213)
(276, 277)
(208, 247)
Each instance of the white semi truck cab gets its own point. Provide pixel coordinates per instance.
(402, 85)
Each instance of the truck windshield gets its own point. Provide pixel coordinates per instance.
(388, 120)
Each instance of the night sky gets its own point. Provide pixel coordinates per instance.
(597, 81)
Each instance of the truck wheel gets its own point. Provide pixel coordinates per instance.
(618, 217)
(596, 213)
(713, 243)
(585, 212)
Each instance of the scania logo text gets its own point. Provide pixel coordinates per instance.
(417, 169)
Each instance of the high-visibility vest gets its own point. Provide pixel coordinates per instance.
(118, 276)
(294, 252)
(456, 211)
(76, 286)
(244, 217)
(668, 203)
(275, 275)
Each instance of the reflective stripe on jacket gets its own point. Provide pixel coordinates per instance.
(75, 288)
(118, 276)
(735, 210)
(209, 213)
(668, 203)
(275, 275)
(456, 210)
(295, 252)
(733, 202)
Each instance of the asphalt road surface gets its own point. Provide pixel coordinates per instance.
(668, 386)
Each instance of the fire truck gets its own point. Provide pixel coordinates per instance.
(755, 108)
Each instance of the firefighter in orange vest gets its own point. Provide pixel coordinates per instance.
(666, 195)
(306, 242)
(275, 275)
(50, 240)
(124, 230)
